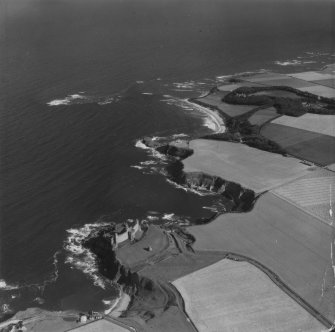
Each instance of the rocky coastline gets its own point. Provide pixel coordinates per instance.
(235, 197)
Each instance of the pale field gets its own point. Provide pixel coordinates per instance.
(252, 168)
(230, 87)
(313, 76)
(274, 79)
(312, 193)
(262, 78)
(319, 90)
(101, 325)
(330, 83)
(227, 109)
(291, 243)
(262, 116)
(237, 296)
(331, 167)
(321, 124)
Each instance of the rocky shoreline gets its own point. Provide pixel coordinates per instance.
(235, 197)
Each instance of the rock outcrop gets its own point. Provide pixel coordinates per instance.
(178, 149)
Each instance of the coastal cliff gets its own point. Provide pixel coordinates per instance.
(151, 298)
(234, 196)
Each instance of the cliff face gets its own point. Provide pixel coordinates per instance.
(235, 197)
(149, 297)
(100, 244)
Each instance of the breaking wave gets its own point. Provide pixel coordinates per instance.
(5, 286)
(188, 189)
(82, 98)
(80, 257)
(209, 120)
(70, 99)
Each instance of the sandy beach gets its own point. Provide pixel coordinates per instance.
(213, 115)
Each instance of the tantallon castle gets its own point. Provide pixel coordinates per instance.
(129, 230)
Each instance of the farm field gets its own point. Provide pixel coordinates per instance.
(100, 326)
(227, 109)
(322, 124)
(291, 243)
(237, 296)
(269, 76)
(279, 80)
(331, 167)
(312, 193)
(312, 76)
(320, 90)
(252, 168)
(264, 115)
(233, 86)
(213, 99)
(330, 83)
(303, 144)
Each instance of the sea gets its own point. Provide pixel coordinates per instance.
(82, 82)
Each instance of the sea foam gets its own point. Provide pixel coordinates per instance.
(67, 100)
(80, 257)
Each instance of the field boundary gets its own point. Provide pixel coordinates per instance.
(300, 207)
(278, 282)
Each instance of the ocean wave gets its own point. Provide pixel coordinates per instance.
(67, 100)
(209, 121)
(153, 152)
(294, 62)
(80, 257)
(168, 216)
(240, 74)
(211, 208)
(289, 63)
(81, 98)
(137, 167)
(152, 218)
(179, 135)
(5, 286)
(187, 189)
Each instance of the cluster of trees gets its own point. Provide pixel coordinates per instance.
(283, 105)
(263, 143)
(239, 129)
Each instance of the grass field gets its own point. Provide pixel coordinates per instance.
(131, 255)
(264, 115)
(252, 168)
(233, 86)
(330, 83)
(273, 79)
(227, 109)
(237, 296)
(101, 325)
(294, 245)
(312, 76)
(262, 78)
(312, 193)
(303, 144)
(321, 124)
(319, 90)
